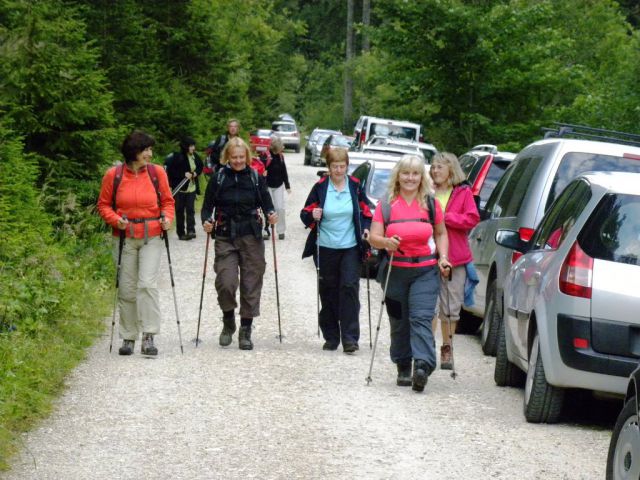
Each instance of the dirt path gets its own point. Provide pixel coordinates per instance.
(291, 410)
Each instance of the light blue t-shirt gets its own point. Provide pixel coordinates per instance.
(336, 228)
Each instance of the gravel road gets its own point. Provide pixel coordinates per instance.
(291, 410)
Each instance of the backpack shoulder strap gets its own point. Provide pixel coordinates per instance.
(386, 212)
(153, 174)
(117, 178)
(431, 207)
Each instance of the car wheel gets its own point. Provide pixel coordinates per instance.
(623, 460)
(491, 321)
(542, 402)
(468, 323)
(506, 374)
(297, 149)
(307, 160)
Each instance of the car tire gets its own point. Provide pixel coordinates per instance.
(468, 323)
(542, 402)
(623, 460)
(491, 321)
(506, 374)
(307, 161)
(297, 149)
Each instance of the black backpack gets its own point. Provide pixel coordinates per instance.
(117, 179)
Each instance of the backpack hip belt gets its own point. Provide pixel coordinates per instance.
(146, 226)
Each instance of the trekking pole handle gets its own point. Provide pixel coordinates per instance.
(450, 274)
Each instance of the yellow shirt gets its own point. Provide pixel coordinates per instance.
(443, 198)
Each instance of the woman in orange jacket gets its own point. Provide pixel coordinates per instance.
(136, 201)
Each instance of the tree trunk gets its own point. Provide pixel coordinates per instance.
(347, 121)
(366, 21)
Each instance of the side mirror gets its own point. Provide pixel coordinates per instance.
(511, 239)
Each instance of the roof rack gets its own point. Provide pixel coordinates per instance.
(599, 134)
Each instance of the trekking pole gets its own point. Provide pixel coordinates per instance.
(180, 185)
(375, 343)
(318, 273)
(367, 273)
(115, 296)
(275, 270)
(173, 285)
(204, 275)
(453, 363)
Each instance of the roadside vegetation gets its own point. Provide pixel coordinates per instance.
(76, 76)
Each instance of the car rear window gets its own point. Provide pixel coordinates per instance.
(388, 130)
(496, 171)
(613, 230)
(576, 163)
(284, 127)
(379, 182)
(513, 191)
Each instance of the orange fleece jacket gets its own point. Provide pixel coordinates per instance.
(136, 198)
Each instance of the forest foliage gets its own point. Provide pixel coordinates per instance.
(76, 76)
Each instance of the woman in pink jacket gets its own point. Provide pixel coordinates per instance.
(460, 216)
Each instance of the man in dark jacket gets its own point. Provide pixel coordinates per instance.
(214, 150)
(185, 164)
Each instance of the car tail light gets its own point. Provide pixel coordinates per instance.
(421, 138)
(295, 134)
(581, 343)
(576, 273)
(631, 156)
(363, 136)
(525, 236)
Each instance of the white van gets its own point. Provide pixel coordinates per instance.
(367, 126)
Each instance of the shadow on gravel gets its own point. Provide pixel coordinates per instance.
(587, 409)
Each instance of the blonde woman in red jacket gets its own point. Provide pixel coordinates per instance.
(136, 199)
(460, 216)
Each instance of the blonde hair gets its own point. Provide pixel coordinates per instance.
(456, 175)
(233, 143)
(337, 155)
(276, 144)
(410, 162)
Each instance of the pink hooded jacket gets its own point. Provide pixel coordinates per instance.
(460, 216)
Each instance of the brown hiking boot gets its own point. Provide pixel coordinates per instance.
(446, 357)
(148, 348)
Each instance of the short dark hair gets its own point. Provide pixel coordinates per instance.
(134, 143)
(186, 142)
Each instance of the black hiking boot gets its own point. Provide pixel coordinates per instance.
(244, 339)
(148, 348)
(421, 372)
(228, 330)
(127, 347)
(404, 374)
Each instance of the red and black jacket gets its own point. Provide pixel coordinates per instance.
(361, 213)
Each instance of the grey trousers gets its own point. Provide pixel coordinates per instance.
(452, 304)
(138, 296)
(239, 262)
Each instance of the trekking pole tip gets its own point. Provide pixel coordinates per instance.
(369, 380)
(454, 375)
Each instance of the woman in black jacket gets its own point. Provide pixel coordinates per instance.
(185, 164)
(339, 214)
(277, 181)
(232, 207)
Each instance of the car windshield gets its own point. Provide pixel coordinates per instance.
(613, 230)
(396, 131)
(340, 141)
(576, 163)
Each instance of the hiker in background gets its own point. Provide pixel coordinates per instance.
(215, 148)
(135, 198)
(340, 209)
(460, 216)
(185, 164)
(277, 181)
(418, 241)
(237, 194)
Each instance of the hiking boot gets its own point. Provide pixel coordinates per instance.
(244, 338)
(228, 330)
(350, 347)
(266, 235)
(404, 374)
(421, 373)
(446, 357)
(148, 348)
(191, 235)
(183, 237)
(127, 347)
(330, 346)
(281, 236)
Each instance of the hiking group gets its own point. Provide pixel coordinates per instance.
(420, 227)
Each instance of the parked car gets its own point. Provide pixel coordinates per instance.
(334, 141)
(358, 158)
(571, 301)
(367, 126)
(483, 166)
(524, 193)
(260, 140)
(623, 460)
(288, 133)
(286, 117)
(428, 150)
(312, 141)
(397, 151)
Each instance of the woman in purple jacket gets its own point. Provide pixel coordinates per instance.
(460, 216)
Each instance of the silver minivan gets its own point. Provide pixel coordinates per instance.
(524, 193)
(572, 301)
